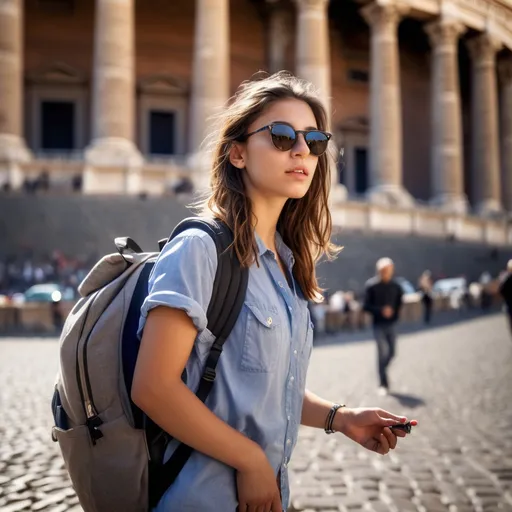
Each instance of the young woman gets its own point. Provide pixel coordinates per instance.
(270, 184)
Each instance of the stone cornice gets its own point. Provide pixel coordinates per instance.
(492, 16)
(57, 73)
(162, 84)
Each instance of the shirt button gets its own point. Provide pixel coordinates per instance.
(290, 308)
(295, 352)
(288, 441)
(269, 320)
(289, 418)
(280, 284)
(292, 378)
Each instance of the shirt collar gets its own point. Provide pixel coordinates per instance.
(284, 251)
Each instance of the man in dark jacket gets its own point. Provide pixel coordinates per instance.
(506, 292)
(383, 301)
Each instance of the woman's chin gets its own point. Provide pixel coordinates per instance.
(297, 192)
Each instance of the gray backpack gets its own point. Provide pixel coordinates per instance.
(112, 450)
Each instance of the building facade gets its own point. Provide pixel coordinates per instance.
(119, 93)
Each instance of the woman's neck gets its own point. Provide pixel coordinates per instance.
(267, 215)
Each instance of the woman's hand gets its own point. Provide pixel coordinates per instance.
(370, 428)
(257, 487)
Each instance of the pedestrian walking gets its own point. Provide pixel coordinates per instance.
(383, 300)
(425, 285)
(505, 289)
(270, 185)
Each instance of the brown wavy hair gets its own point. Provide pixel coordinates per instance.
(304, 224)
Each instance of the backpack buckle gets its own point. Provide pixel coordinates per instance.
(209, 374)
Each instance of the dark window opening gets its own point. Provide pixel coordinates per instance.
(361, 170)
(358, 75)
(57, 6)
(162, 132)
(57, 125)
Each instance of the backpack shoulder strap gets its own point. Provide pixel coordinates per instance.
(230, 281)
(228, 295)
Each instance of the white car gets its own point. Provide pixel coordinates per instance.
(450, 286)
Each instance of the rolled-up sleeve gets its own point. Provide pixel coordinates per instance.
(182, 277)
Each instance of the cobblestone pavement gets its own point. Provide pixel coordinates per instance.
(456, 380)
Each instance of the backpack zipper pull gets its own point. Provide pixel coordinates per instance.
(93, 423)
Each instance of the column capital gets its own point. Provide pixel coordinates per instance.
(483, 48)
(442, 32)
(505, 70)
(377, 15)
(311, 5)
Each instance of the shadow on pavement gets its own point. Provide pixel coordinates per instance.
(409, 401)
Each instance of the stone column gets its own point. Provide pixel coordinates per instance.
(13, 150)
(505, 74)
(313, 63)
(279, 35)
(210, 80)
(113, 103)
(312, 52)
(485, 141)
(385, 107)
(447, 169)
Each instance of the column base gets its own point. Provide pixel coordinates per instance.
(112, 165)
(113, 152)
(338, 194)
(200, 165)
(390, 195)
(489, 208)
(451, 203)
(13, 153)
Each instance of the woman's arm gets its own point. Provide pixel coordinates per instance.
(367, 426)
(315, 410)
(158, 390)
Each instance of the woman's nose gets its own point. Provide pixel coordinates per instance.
(300, 148)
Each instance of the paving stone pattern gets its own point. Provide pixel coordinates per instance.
(456, 380)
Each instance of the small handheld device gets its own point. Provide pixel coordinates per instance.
(405, 427)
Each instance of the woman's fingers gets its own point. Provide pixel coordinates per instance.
(391, 438)
(390, 418)
(276, 504)
(383, 444)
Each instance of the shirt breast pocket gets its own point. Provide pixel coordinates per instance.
(263, 337)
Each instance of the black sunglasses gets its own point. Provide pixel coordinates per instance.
(284, 138)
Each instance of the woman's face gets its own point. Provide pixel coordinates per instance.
(273, 174)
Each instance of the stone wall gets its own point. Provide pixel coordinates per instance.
(412, 255)
(85, 225)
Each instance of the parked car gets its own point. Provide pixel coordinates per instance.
(449, 286)
(410, 293)
(48, 292)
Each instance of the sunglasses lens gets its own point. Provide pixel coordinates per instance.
(317, 142)
(283, 136)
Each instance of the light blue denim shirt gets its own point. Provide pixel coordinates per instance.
(261, 374)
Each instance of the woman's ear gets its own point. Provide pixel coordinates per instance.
(236, 155)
